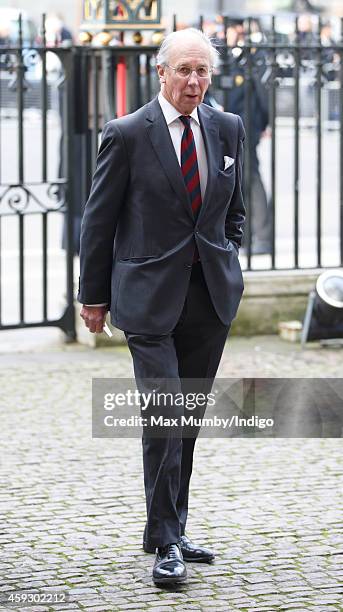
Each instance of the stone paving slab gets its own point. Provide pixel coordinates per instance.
(72, 507)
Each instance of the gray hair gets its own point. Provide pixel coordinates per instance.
(174, 38)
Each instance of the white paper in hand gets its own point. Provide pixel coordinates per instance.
(107, 331)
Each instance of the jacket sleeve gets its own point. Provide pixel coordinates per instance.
(99, 222)
(236, 214)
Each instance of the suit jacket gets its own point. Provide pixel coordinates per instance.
(138, 230)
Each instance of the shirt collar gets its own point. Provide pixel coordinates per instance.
(170, 113)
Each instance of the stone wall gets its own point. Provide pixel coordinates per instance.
(271, 297)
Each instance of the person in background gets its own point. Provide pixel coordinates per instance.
(260, 216)
(330, 56)
(57, 34)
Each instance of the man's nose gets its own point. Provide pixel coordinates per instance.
(193, 77)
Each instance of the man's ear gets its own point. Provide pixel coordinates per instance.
(161, 73)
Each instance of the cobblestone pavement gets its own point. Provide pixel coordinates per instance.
(72, 507)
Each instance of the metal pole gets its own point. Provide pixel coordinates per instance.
(319, 146)
(274, 84)
(45, 264)
(0, 271)
(248, 149)
(44, 97)
(226, 63)
(148, 77)
(20, 103)
(341, 144)
(21, 267)
(296, 143)
(95, 92)
(69, 127)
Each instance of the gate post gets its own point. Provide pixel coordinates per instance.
(68, 319)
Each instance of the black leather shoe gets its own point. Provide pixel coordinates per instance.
(191, 552)
(169, 566)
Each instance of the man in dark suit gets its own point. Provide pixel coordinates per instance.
(159, 249)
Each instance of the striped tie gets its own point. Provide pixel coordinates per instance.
(189, 165)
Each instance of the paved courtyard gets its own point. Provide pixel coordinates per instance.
(72, 507)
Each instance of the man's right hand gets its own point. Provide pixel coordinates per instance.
(94, 317)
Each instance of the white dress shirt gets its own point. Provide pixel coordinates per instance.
(176, 128)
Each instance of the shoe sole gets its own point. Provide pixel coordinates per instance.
(169, 580)
(199, 560)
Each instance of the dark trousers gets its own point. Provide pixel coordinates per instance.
(191, 351)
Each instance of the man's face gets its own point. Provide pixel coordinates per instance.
(185, 93)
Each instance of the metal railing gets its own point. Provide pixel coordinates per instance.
(305, 67)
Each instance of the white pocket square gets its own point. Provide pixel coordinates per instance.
(228, 161)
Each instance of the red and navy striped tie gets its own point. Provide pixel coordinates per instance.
(189, 165)
(190, 170)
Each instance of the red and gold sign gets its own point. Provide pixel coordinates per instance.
(123, 15)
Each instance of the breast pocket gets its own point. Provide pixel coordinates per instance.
(228, 172)
(226, 181)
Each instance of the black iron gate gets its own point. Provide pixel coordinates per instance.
(34, 197)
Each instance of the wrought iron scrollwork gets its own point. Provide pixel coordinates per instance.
(16, 197)
(22, 199)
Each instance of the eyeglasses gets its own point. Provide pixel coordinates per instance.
(202, 72)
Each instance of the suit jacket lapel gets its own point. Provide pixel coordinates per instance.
(164, 149)
(210, 133)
